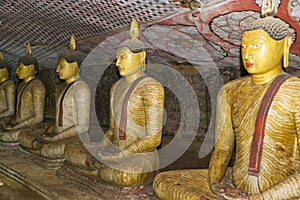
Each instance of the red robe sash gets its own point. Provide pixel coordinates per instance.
(123, 121)
(260, 124)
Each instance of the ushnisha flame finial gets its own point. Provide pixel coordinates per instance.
(1, 57)
(133, 44)
(72, 43)
(29, 49)
(269, 8)
(71, 55)
(134, 29)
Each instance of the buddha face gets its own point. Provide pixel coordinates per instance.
(66, 71)
(3, 73)
(260, 53)
(24, 72)
(129, 63)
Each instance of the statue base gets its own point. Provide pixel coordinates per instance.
(26, 173)
(6, 146)
(105, 190)
(42, 161)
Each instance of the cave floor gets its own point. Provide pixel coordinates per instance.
(23, 179)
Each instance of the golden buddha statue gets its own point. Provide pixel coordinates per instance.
(30, 100)
(72, 110)
(127, 155)
(7, 92)
(259, 115)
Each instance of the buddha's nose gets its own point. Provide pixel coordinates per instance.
(246, 54)
(118, 62)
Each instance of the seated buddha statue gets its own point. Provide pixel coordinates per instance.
(72, 110)
(7, 93)
(30, 100)
(259, 114)
(127, 155)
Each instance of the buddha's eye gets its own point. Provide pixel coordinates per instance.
(256, 45)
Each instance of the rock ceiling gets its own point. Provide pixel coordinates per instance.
(209, 35)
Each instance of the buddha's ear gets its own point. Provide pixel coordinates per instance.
(6, 72)
(143, 55)
(286, 51)
(75, 67)
(32, 69)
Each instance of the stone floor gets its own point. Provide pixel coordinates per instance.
(23, 179)
(11, 190)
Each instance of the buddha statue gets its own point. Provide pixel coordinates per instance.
(30, 100)
(7, 93)
(127, 155)
(72, 110)
(259, 114)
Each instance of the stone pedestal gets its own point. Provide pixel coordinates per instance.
(6, 146)
(105, 190)
(63, 183)
(42, 161)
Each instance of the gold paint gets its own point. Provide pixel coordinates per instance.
(129, 64)
(1, 57)
(57, 138)
(136, 158)
(3, 75)
(72, 43)
(262, 56)
(29, 50)
(7, 95)
(30, 103)
(26, 73)
(237, 107)
(134, 29)
(67, 71)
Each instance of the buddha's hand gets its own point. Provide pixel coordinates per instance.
(49, 138)
(257, 196)
(12, 121)
(9, 127)
(110, 156)
(227, 191)
(38, 144)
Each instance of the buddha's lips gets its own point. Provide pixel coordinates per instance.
(249, 64)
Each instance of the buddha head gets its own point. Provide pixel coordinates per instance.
(27, 66)
(266, 42)
(131, 54)
(68, 63)
(3, 69)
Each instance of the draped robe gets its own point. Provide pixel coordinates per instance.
(73, 108)
(29, 109)
(237, 108)
(7, 98)
(144, 117)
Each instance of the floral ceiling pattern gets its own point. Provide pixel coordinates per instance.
(199, 31)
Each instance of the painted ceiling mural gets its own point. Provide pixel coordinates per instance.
(203, 32)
